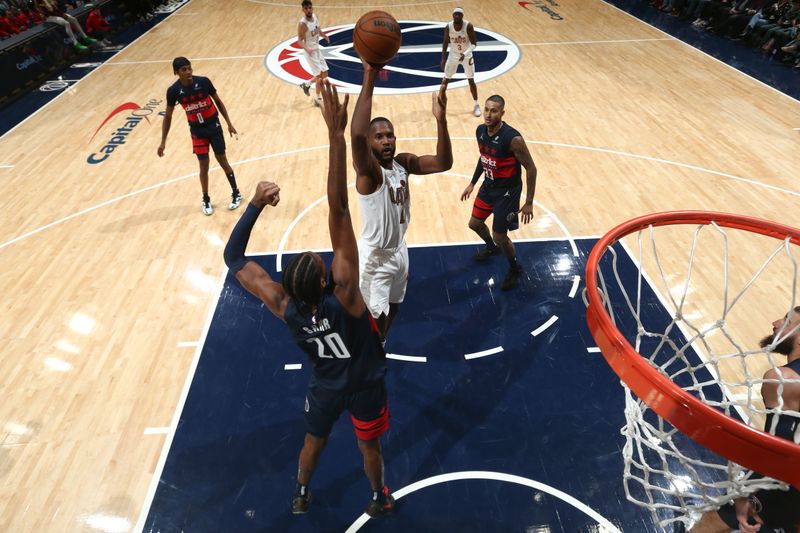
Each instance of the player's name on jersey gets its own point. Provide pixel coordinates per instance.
(323, 325)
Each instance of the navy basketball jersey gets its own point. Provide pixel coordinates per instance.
(195, 100)
(500, 166)
(787, 426)
(345, 351)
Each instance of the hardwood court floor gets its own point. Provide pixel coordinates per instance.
(109, 270)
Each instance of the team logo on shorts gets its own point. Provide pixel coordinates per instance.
(415, 69)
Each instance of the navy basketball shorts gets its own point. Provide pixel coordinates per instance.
(368, 408)
(780, 511)
(501, 202)
(205, 136)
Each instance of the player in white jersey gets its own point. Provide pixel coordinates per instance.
(383, 193)
(308, 35)
(460, 35)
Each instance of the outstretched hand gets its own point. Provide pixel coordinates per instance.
(267, 193)
(334, 113)
(440, 102)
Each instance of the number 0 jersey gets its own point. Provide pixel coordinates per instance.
(500, 166)
(345, 351)
(195, 99)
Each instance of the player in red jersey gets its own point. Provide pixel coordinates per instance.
(199, 98)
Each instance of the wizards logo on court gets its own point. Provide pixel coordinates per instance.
(415, 69)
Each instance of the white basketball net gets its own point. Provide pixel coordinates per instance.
(665, 471)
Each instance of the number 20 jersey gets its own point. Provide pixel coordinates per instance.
(345, 351)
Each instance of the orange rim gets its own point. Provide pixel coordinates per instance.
(759, 451)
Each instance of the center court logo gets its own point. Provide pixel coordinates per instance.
(415, 69)
(120, 135)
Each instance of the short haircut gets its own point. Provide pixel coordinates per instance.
(380, 119)
(498, 99)
(301, 279)
(306, 3)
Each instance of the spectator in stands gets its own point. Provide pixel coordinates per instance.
(8, 24)
(53, 14)
(97, 27)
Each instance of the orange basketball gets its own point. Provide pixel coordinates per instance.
(376, 37)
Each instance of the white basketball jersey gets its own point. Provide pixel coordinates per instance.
(386, 212)
(312, 31)
(459, 40)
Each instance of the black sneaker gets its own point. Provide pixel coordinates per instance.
(511, 278)
(300, 503)
(305, 88)
(486, 253)
(383, 506)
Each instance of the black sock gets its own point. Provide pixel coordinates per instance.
(489, 242)
(378, 496)
(301, 490)
(512, 263)
(206, 197)
(232, 180)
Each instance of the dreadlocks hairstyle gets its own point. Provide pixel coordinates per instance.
(301, 279)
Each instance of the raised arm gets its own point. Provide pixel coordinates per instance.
(252, 277)
(343, 240)
(368, 173)
(523, 155)
(443, 160)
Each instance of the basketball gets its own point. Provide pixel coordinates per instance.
(377, 37)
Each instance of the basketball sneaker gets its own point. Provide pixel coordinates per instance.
(382, 506)
(208, 209)
(300, 503)
(236, 200)
(305, 88)
(476, 110)
(511, 279)
(487, 252)
(80, 48)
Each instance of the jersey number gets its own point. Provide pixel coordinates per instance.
(200, 118)
(489, 173)
(334, 343)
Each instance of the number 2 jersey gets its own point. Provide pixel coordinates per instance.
(500, 166)
(195, 99)
(345, 351)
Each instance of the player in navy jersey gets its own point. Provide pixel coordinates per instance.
(200, 100)
(770, 511)
(329, 321)
(503, 154)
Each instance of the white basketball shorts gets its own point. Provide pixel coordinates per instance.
(452, 64)
(383, 277)
(316, 63)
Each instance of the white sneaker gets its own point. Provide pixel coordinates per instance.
(236, 201)
(476, 110)
(318, 102)
(208, 209)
